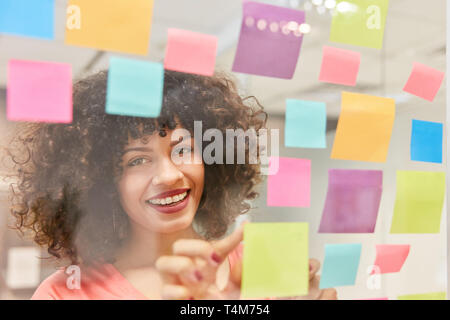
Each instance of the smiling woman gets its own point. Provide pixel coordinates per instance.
(104, 193)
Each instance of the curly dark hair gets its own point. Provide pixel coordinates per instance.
(64, 191)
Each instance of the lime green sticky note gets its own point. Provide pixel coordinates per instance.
(419, 201)
(359, 22)
(424, 296)
(275, 261)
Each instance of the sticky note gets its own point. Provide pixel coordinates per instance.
(339, 66)
(424, 81)
(306, 124)
(424, 296)
(112, 25)
(270, 40)
(275, 260)
(31, 18)
(190, 52)
(291, 185)
(359, 22)
(364, 128)
(382, 298)
(23, 269)
(419, 202)
(135, 88)
(353, 200)
(39, 91)
(426, 141)
(340, 265)
(391, 257)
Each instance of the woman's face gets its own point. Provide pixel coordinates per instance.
(156, 193)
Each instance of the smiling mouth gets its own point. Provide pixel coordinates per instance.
(169, 199)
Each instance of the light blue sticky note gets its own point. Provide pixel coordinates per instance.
(32, 18)
(306, 123)
(426, 141)
(135, 88)
(340, 265)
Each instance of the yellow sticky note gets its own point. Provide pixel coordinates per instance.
(424, 296)
(112, 25)
(419, 202)
(275, 261)
(364, 128)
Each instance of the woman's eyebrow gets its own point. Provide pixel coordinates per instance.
(145, 149)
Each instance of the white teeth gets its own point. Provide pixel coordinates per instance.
(169, 200)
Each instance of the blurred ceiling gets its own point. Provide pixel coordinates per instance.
(415, 31)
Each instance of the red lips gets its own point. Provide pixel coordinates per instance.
(169, 193)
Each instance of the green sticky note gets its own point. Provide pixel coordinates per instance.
(275, 261)
(419, 202)
(424, 296)
(306, 124)
(359, 22)
(135, 88)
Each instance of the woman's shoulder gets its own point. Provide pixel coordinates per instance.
(82, 283)
(51, 287)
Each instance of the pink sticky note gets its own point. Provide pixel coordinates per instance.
(390, 257)
(39, 92)
(424, 81)
(382, 298)
(290, 185)
(339, 66)
(190, 52)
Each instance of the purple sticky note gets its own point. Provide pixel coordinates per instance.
(352, 203)
(270, 40)
(290, 186)
(39, 92)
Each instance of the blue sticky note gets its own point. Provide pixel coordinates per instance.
(32, 18)
(306, 123)
(340, 265)
(135, 88)
(426, 141)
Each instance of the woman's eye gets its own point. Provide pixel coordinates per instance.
(137, 161)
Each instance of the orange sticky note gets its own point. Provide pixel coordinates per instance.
(424, 81)
(113, 25)
(390, 257)
(339, 66)
(190, 52)
(364, 128)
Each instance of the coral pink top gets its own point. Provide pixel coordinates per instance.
(100, 283)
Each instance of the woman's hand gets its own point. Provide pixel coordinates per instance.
(314, 292)
(195, 269)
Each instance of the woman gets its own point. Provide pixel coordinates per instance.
(103, 193)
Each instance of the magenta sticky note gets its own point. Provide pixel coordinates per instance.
(390, 257)
(290, 186)
(352, 202)
(339, 66)
(424, 81)
(39, 92)
(190, 52)
(270, 40)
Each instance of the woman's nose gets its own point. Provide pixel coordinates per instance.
(167, 173)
